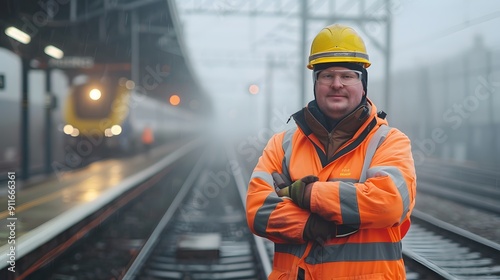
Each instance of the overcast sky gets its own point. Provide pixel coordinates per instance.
(230, 52)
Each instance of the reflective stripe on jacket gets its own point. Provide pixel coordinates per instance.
(378, 202)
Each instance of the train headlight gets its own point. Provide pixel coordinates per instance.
(95, 94)
(116, 129)
(70, 130)
(113, 131)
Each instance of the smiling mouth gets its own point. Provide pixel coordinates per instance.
(336, 96)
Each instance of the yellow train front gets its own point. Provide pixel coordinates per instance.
(106, 117)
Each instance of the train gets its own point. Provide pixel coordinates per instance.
(107, 116)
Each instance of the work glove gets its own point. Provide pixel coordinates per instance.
(318, 229)
(299, 191)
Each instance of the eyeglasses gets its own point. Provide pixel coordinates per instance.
(347, 77)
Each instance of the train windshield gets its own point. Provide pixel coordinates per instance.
(94, 101)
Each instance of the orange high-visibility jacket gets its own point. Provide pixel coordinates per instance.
(379, 207)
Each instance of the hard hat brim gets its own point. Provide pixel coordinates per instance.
(329, 59)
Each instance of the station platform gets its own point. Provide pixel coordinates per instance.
(44, 209)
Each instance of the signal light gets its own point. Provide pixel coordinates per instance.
(253, 89)
(175, 100)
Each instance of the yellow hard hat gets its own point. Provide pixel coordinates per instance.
(338, 43)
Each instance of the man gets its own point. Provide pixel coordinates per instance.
(354, 181)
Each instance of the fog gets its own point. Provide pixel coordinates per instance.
(444, 66)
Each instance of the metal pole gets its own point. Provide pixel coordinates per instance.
(491, 113)
(24, 121)
(388, 58)
(135, 48)
(269, 91)
(48, 120)
(467, 138)
(303, 52)
(424, 101)
(73, 11)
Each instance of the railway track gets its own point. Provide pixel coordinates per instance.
(467, 185)
(434, 249)
(204, 234)
(470, 172)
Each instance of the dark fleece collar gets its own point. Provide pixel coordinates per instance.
(332, 134)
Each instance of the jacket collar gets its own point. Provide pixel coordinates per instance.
(332, 134)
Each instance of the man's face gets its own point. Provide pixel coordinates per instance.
(335, 99)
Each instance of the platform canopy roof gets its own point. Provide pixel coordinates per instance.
(136, 39)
